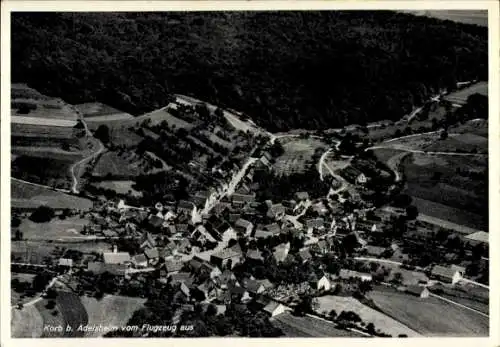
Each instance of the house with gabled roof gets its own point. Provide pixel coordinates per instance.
(304, 255)
(254, 255)
(446, 274)
(243, 226)
(254, 286)
(139, 261)
(281, 252)
(152, 254)
(274, 308)
(172, 266)
(276, 211)
(147, 241)
(419, 291)
(226, 279)
(222, 258)
(239, 294)
(323, 284)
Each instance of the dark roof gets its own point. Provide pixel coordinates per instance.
(417, 290)
(155, 221)
(443, 271)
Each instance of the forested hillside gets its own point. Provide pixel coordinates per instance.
(284, 69)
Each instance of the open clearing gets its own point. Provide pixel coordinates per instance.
(297, 153)
(28, 196)
(56, 228)
(120, 187)
(368, 315)
(26, 323)
(123, 166)
(293, 326)
(460, 97)
(49, 319)
(111, 310)
(430, 316)
(99, 112)
(478, 17)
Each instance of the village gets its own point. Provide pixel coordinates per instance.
(221, 246)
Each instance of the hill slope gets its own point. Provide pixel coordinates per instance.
(312, 69)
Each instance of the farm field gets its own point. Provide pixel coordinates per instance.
(111, 310)
(464, 143)
(439, 212)
(426, 315)
(49, 319)
(477, 17)
(26, 323)
(56, 228)
(158, 116)
(460, 97)
(382, 322)
(293, 326)
(29, 196)
(99, 112)
(297, 153)
(30, 130)
(53, 170)
(15, 297)
(449, 188)
(477, 127)
(73, 312)
(120, 187)
(462, 229)
(123, 166)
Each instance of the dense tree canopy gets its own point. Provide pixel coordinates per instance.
(311, 69)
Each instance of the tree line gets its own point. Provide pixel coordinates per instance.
(290, 69)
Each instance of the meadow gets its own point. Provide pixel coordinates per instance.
(426, 315)
(29, 196)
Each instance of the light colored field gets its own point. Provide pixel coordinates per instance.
(54, 229)
(26, 323)
(121, 187)
(460, 96)
(112, 310)
(478, 17)
(28, 196)
(49, 319)
(161, 115)
(368, 315)
(31, 130)
(430, 316)
(293, 326)
(99, 112)
(42, 121)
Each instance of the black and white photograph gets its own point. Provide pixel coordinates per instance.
(249, 173)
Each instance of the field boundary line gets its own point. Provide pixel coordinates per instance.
(459, 305)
